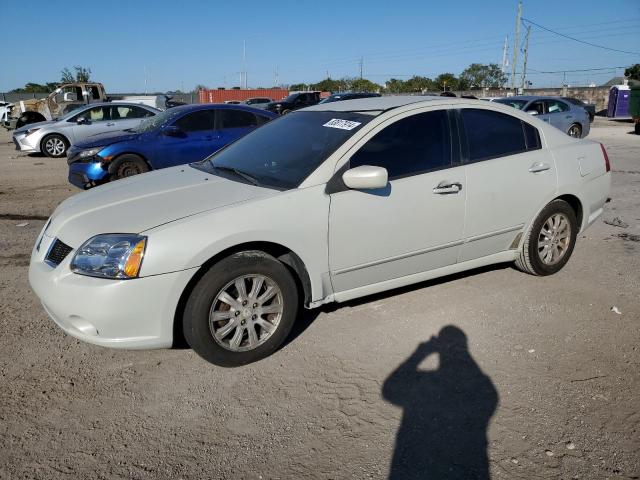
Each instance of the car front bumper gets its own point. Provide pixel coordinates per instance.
(26, 143)
(133, 314)
(87, 174)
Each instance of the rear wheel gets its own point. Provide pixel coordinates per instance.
(637, 128)
(284, 112)
(575, 131)
(241, 310)
(126, 166)
(54, 146)
(549, 242)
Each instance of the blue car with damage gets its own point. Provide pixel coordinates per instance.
(176, 136)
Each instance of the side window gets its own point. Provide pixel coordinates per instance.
(196, 121)
(95, 114)
(492, 134)
(555, 106)
(95, 93)
(537, 106)
(532, 137)
(410, 146)
(236, 119)
(122, 112)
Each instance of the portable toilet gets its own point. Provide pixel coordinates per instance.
(619, 101)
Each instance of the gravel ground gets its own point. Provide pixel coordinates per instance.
(534, 377)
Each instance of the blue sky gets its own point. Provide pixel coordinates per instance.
(181, 44)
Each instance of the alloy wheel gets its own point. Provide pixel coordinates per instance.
(246, 312)
(575, 131)
(54, 146)
(554, 239)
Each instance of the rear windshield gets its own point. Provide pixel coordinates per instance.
(282, 153)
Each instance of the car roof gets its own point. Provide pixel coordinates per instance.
(532, 97)
(117, 102)
(380, 103)
(221, 106)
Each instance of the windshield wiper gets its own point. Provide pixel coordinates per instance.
(251, 179)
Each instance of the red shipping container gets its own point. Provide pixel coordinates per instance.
(221, 96)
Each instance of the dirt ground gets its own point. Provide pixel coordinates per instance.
(537, 374)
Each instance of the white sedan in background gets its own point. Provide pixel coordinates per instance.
(329, 203)
(54, 137)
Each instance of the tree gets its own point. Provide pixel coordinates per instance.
(418, 84)
(633, 72)
(478, 75)
(83, 74)
(364, 85)
(447, 82)
(200, 87)
(36, 88)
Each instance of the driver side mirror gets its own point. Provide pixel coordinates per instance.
(366, 177)
(532, 112)
(82, 121)
(173, 131)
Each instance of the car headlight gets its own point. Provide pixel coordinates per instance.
(117, 256)
(92, 152)
(32, 130)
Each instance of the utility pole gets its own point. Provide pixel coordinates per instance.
(145, 79)
(361, 66)
(244, 65)
(526, 54)
(276, 78)
(505, 48)
(516, 46)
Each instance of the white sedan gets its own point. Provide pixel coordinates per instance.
(326, 204)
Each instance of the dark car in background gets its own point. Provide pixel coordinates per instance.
(337, 97)
(590, 108)
(293, 102)
(176, 136)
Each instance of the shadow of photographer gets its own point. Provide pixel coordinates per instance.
(446, 412)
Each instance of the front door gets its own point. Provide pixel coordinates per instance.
(96, 121)
(510, 175)
(559, 113)
(413, 225)
(232, 124)
(195, 140)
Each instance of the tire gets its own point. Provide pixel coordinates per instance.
(232, 346)
(54, 145)
(284, 112)
(127, 165)
(637, 128)
(575, 130)
(534, 259)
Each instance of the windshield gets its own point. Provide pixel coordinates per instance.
(291, 98)
(282, 153)
(151, 123)
(512, 102)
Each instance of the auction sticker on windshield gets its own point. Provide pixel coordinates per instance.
(341, 124)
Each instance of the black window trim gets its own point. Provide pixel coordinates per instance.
(464, 139)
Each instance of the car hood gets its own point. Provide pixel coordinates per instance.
(29, 126)
(145, 201)
(103, 139)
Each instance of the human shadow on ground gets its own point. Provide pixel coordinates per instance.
(446, 412)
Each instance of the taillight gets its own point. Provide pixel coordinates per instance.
(607, 165)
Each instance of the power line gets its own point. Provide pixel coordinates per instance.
(578, 40)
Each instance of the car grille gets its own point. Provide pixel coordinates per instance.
(57, 252)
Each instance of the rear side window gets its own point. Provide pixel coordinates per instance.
(413, 145)
(492, 134)
(236, 119)
(196, 121)
(531, 136)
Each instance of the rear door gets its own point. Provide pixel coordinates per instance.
(195, 141)
(232, 124)
(559, 114)
(510, 176)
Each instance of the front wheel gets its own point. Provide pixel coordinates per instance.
(549, 242)
(54, 146)
(126, 166)
(241, 310)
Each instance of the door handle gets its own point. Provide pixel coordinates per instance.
(445, 188)
(539, 167)
(110, 124)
